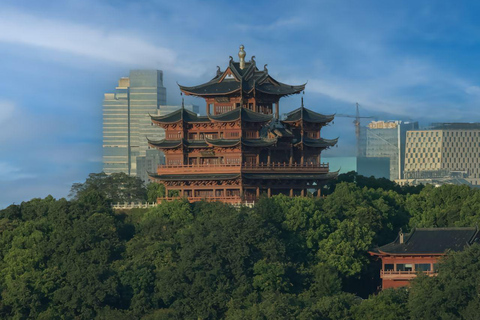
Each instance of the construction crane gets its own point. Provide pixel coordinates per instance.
(356, 122)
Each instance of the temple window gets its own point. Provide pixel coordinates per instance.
(404, 267)
(422, 267)
(388, 267)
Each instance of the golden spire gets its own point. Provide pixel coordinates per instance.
(241, 55)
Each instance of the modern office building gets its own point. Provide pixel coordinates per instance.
(445, 153)
(123, 110)
(386, 139)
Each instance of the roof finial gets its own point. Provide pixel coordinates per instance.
(241, 56)
(302, 102)
(183, 104)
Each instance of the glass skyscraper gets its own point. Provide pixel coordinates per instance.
(134, 98)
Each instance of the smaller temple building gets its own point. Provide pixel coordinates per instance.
(419, 251)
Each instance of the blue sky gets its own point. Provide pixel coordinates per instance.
(398, 59)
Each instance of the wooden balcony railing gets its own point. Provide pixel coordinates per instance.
(285, 167)
(228, 199)
(245, 167)
(388, 272)
(403, 275)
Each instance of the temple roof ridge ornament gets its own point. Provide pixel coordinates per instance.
(241, 57)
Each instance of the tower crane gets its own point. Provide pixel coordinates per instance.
(356, 122)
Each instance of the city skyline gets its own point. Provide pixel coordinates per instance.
(59, 58)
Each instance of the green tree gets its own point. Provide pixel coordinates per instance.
(117, 187)
(445, 206)
(154, 191)
(389, 304)
(454, 293)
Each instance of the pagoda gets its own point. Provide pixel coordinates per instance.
(241, 149)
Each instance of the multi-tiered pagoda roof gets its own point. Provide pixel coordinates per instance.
(242, 148)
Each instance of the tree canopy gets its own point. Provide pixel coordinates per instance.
(284, 258)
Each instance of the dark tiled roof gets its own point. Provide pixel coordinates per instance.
(170, 144)
(180, 115)
(307, 115)
(258, 142)
(430, 241)
(190, 177)
(247, 80)
(290, 176)
(319, 143)
(165, 144)
(283, 133)
(223, 142)
(243, 114)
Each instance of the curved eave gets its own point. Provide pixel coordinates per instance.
(291, 90)
(225, 143)
(241, 114)
(172, 117)
(319, 143)
(299, 115)
(252, 143)
(165, 144)
(386, 253)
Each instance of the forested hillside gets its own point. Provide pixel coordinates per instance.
(285, 258)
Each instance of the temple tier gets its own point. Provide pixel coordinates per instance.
(241, 149)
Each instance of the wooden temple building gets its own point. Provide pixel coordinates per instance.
(419, 251)
(241, 148)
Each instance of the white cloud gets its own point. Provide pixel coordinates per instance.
(9, 172)
(7, 109)
(113, 45)
(473, 90)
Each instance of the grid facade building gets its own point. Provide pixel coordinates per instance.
(134, 98)
(386, 139)
(444, 152)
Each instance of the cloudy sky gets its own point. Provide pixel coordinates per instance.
(398, 59)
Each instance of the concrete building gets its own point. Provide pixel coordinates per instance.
(376, 167)
(445, 153)
(134, 97)
(386, 139)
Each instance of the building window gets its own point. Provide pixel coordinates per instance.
(423, 267)
(404, 267)
(388, 267)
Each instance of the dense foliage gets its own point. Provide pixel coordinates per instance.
(285, 258)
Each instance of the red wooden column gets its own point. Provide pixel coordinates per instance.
(319, 193)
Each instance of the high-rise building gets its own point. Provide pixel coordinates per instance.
(447, 152)
(386, 139)
(134, 98)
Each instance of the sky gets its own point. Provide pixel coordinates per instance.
(405, 60)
